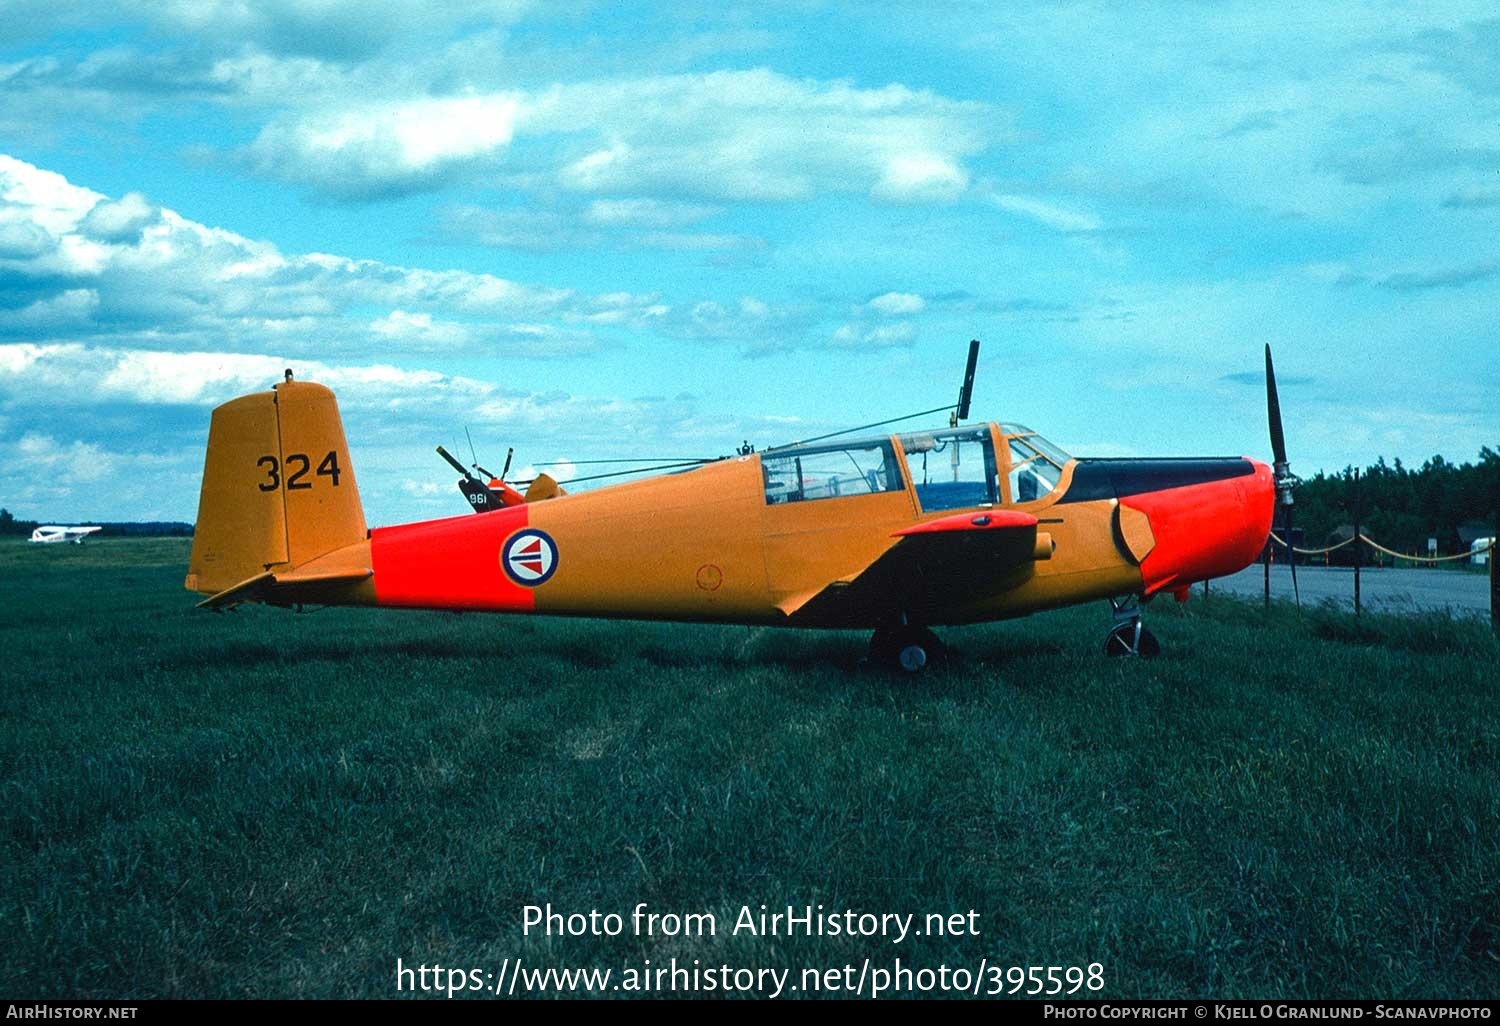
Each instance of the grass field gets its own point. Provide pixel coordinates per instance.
(269, 804)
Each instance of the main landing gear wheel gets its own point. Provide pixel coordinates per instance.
(1128, 636)
(1131, 639)
(908, 649)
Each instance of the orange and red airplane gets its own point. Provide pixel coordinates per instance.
(893, 532)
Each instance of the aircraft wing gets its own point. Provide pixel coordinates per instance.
(934, 565)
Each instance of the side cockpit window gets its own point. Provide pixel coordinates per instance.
(953, 469)
(806, 474)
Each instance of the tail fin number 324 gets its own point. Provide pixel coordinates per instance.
(297, 467)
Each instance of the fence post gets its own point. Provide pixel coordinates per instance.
(1357, 542)
(1495, 582)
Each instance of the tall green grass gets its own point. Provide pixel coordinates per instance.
(263, 803)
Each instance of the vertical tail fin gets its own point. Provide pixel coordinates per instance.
(278, 487)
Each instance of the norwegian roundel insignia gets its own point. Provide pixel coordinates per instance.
(529, 557)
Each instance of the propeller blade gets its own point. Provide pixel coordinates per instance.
(1284, 478)
(1273, 412)
(445, 454)
(1291, 554)
(967, 391)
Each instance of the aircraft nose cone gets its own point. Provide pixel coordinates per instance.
(1209, 529)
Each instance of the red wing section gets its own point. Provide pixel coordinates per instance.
(935, 566)
(971, 523)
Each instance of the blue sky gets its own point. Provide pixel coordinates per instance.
(599, 230)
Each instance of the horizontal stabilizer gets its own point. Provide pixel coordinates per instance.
(243, 592)
(282, 585)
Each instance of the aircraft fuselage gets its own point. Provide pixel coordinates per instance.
(720, 543)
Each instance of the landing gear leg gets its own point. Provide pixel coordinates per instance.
(907, 648)
(1128, 636)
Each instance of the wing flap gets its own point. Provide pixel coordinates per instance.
(793, 604)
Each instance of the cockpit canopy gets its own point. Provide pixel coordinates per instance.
(951, 468)
(798, 473)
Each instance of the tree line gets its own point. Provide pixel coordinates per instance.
(9, 525)
(1400, 507)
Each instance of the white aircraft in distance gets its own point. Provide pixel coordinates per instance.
(50, 534)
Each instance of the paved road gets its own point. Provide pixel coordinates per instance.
(1389, 591)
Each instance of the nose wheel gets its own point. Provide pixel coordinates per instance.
(1128, 636)
(907, 648)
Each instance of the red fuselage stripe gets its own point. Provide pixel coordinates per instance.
(449, 564)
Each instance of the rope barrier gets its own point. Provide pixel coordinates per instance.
(1313, 552)
(1381, 548)
(1423, 559)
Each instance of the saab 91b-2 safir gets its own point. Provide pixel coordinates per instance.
(897, 532)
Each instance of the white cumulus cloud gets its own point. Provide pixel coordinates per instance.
(897, 303)
(387, 147)
(724, 135)
(79, 266)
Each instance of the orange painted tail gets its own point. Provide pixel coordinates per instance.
(278, 491)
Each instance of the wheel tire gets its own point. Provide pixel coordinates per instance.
(1117, 641)
(907, 649)
(1122, 641)
(1149, 647)
(912, 658)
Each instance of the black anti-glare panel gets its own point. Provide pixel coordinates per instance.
(1115, 479)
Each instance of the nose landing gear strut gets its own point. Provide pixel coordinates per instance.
(1128, 636)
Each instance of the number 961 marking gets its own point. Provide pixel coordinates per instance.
(297, 466)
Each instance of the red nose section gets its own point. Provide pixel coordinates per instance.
(1205, 530)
